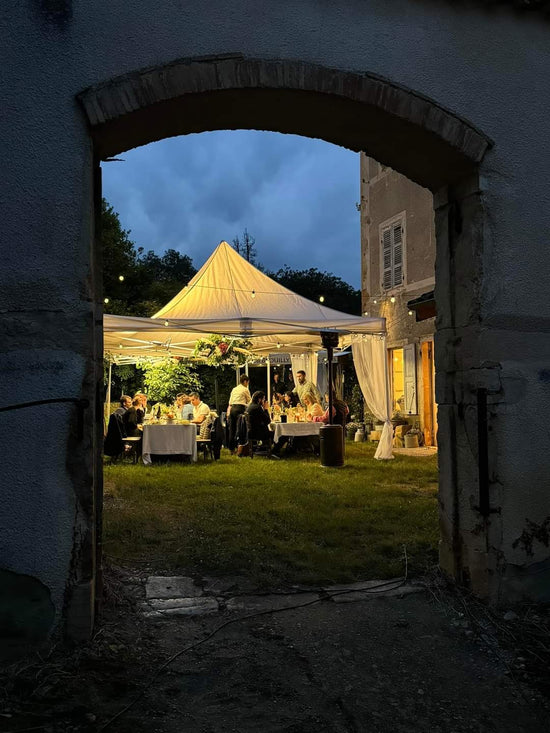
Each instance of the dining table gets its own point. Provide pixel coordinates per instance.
(295, 429)
(169, 440)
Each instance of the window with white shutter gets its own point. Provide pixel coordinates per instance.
(392, 243)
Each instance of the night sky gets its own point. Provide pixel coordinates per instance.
(295, 195)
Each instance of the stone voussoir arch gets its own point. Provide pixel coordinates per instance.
(356, 110)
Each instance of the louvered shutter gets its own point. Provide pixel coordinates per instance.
(409, 379)
(397, 233)
(387, 259)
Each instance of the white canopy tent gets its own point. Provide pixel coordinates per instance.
(230, 296)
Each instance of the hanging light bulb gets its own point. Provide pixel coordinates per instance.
(165, 323)
(253, 294)
(105, 300)
(392, 299)
(366, 313)
(121, 278)
(322, 299)
(278, 346)
(375, 302)
(410, 313)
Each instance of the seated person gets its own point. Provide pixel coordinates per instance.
(130, 419)
(290, 399)
(201, 416)
(312, 407)
(259, 419)
(184, 408)
(141, 409)
(113, 445)
(340, 412)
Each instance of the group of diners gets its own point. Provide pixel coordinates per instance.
(258, 410)
(129, 417)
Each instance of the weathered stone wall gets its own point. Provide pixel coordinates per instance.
(322, 74)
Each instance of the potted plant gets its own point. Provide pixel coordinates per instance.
(351, 429)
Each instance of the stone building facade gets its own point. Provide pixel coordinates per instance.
(458, 104)
(397, 270)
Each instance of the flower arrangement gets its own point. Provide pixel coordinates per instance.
(217, 350)
(352, 428)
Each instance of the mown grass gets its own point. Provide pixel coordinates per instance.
(276, 522)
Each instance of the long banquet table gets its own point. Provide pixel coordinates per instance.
(295, 429)
(169, 440)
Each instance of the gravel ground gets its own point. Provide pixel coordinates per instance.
(424, 662)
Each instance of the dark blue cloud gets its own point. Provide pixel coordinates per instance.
(296, 196)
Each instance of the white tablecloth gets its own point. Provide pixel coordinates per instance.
(293, 429)
(169, 440)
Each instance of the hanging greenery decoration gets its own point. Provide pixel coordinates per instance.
(217, 350)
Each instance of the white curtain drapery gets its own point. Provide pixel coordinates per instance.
(371, 367)
(307, 362)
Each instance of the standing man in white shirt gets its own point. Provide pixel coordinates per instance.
(238, 400)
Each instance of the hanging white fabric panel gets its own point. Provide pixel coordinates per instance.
(371, 366)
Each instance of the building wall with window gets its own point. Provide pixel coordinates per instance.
(398, 266)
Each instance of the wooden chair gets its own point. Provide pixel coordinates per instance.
(204, 441)
(134, 448)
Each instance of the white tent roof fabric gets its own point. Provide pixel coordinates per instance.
(230, 296)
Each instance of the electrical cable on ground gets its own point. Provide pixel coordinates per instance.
(379, 588)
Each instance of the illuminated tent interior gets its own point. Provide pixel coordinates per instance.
(229, 296)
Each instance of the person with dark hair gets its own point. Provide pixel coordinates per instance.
(184, 408)
(278, 386)
(290, 399)
(304, 386)
(259, 419)
(238, 401)
(201, 411)
(116, 431)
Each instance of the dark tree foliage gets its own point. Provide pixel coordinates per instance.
(313, 284)
(150, 280)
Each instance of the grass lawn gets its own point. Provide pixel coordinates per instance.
(276, 522)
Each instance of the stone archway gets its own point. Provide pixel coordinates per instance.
(358, 111)
(404, 130)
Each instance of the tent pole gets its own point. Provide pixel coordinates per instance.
(330, 340)
(109, 390)
(238, 373)
(246, 368)
(268, 381)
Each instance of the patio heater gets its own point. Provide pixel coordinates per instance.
(331, 437)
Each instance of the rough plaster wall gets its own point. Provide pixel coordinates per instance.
(487, 67)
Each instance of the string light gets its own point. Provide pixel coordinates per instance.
(278, 346)
(253, 294)
(366, 313)
(410, 313)
(105, 300)
(375, 302)
(322, 299)
(121, 278)
(392, 299)
(165, 323)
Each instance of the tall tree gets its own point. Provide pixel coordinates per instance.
(246, 247)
